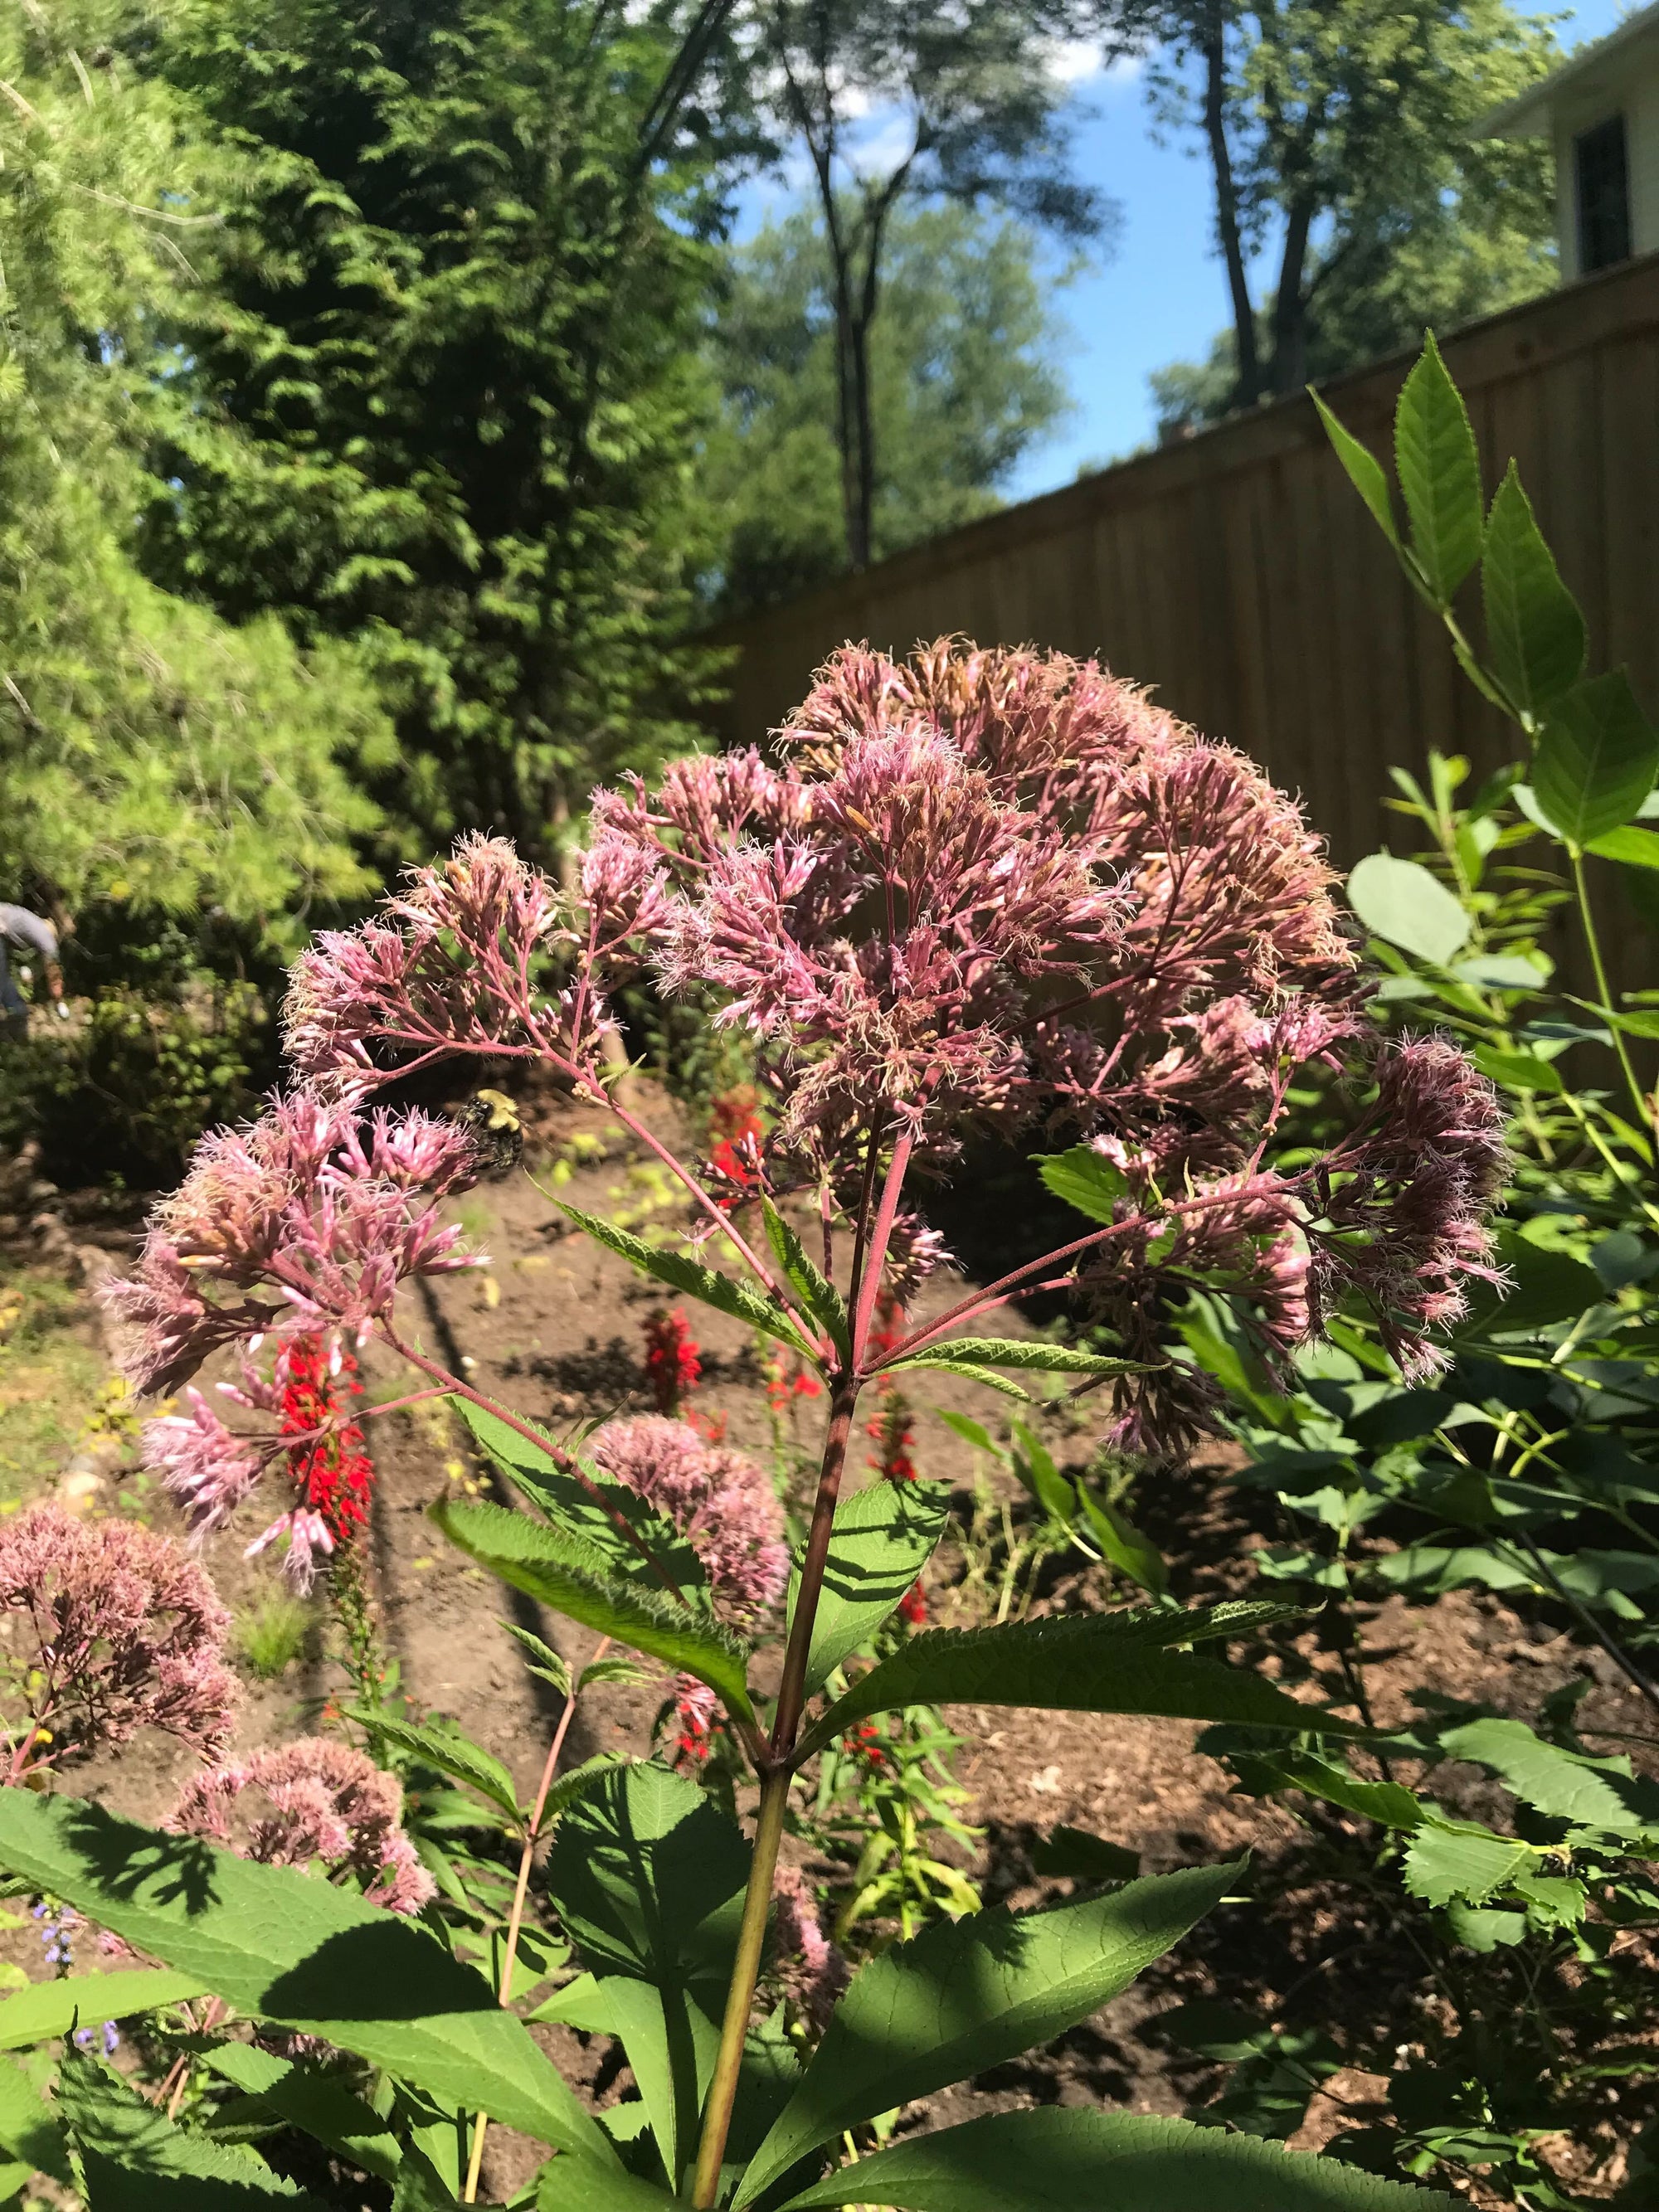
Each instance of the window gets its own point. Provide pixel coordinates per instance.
(1603, 180)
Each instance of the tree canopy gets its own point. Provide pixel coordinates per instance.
(455, 320)
(1341, 139)
(964, 378)
(155, 755)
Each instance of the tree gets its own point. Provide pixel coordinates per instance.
(963, 381)
(155, 759)
(970, 97)
(457, 328)
(1339, 135)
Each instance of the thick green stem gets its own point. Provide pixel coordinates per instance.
(774, 1795)
(740, 1996)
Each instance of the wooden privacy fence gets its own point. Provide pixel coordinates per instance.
(1238, 574)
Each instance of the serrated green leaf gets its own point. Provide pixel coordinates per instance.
(552, 1666)
(1404, 904)
(50, 2009)
(1113, 1662)
(571, 1576)
(1534, 631)
(29, 2130)
(1564, 1786)
(987, 1377)
(317, 2103)
(726, 1293)
(422, 2188)
(1364, 471)
(880, 1541)
(138, 2160)
(612, 1670)
(578, 2186)
(814, 1289)
(453, 1754)
(1085, 1179)
(1460, 1860)
(1439, 473)
(974, 1993)
(1073, 2159)
(291, 1948)
(593, 1506)
(1595, 760)
(648, 1876)
(1032, 1355)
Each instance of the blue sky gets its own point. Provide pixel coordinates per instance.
(1161, 296)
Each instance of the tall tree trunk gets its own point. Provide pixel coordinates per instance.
(1248, 387)
(1290, 365)
(847, 415)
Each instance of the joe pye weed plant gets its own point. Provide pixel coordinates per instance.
(980, 889)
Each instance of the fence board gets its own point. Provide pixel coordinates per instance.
(1238, 574)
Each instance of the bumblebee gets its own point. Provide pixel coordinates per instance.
(491, 1120)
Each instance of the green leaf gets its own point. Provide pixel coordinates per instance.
(881, 1539)
(724, 1292)
(578, 2186)
(450, 1752)
(1564, 1786)
(317, 2103)
(972, 1433)
(672, 2044)
(1403, 903)
(282, 1944)
(1364, 471)
(1534, 632)
(591, 1506)
(1518, 1071)
(1111, 1663)
(553, 1666)
(1636, 848)
(1074, 1851)
(965, 1368)
(1449, 1860)
(974, 1993)
(51, 2009)
(648, 1876)
(135, 2159)
(1073, 2159)
(1546, 1286)
(422, 2188)
(1084, 1179)
(1597, 758)
(28, 2129)
(571, 1576)
(1130, 1552)
(1033, 1355)
(1391, 1804)
(1439, 471)
(815, 1290)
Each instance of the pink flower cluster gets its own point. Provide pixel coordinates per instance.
(995, 887)
(813, 1970)
(721, 1499)
(304, 1223)
(120, 1631)
(315, 1802)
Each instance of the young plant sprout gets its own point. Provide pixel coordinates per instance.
(976, 891)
